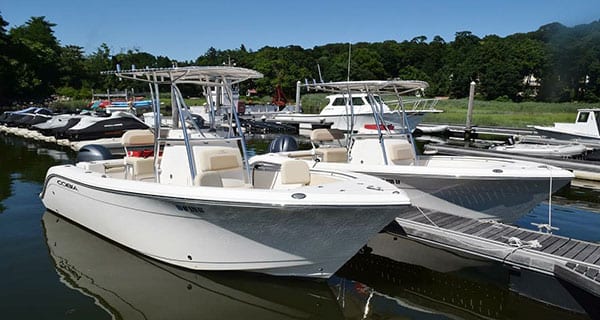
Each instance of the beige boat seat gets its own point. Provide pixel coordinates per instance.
(400, 152)
(219, 167)
(324, 134)
(293, 174)
(326, 151)
(138, 167)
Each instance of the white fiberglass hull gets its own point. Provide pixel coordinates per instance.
(506, 189)
(501, 188)
(543, 150)
(143, 288)
(555, 133)
(203, 228)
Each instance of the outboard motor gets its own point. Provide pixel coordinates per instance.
(283, 143)
(93, 152)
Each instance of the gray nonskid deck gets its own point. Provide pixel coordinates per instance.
(490, 239)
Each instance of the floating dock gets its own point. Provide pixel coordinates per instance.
(569, 260)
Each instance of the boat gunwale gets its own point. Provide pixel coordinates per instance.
(265, 204)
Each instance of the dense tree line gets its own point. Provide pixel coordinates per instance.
(564, 63)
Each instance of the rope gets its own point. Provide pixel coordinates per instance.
(518, 244)
(512, 241)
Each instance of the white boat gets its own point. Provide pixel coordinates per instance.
(129, 286)
(546, 150)
(502, 188)
(199, 205)
(346, 112)
(586, 127)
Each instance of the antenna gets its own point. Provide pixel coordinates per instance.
(320, 76)
(349, 58)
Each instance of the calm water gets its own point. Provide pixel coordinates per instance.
(52, 269)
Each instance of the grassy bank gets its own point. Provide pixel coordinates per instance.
(506, 114)
(485, 113)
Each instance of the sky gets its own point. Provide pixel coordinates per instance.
(183, 30)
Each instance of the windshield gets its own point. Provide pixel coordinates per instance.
(342, 101)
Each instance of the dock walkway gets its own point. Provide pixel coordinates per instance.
(519, 247)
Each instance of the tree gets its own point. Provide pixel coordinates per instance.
(461, 63)
(71, 63)
(7, 85)
(37, 51)
(96, 63)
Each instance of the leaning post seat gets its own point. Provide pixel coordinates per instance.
(400, 152)
(328, 153)
(219, 167)
(138, 167)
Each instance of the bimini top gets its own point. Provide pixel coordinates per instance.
(370, 85)
(202, 75)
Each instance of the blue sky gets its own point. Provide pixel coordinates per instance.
(184, 30)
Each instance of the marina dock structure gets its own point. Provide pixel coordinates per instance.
(573, 262)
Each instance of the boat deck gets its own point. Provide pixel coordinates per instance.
(514, 246)
(584, 170)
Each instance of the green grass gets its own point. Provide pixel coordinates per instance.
(506, 114)
(485, 113)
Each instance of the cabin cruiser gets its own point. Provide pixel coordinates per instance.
(503, 189)
(197, 204)
(586, 127)
(349, 112)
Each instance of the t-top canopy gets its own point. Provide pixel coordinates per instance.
(209, 75)
(370, 85)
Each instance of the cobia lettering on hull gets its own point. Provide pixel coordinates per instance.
(66, 184)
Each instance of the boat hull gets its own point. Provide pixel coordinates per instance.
(505, 189)
(147, 289)
(507, 199)
(563, 135)
(543, 150)
(203, 234)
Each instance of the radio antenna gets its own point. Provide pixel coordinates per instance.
(349, 58)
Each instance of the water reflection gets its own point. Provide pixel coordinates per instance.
(25, 160)
(129, 286)
(386, 287)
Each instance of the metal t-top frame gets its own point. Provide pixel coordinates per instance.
(224, 77)
(370, 88)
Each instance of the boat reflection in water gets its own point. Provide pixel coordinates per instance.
(461, 286)
(129, 286)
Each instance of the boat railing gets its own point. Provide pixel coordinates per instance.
(418, 104)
